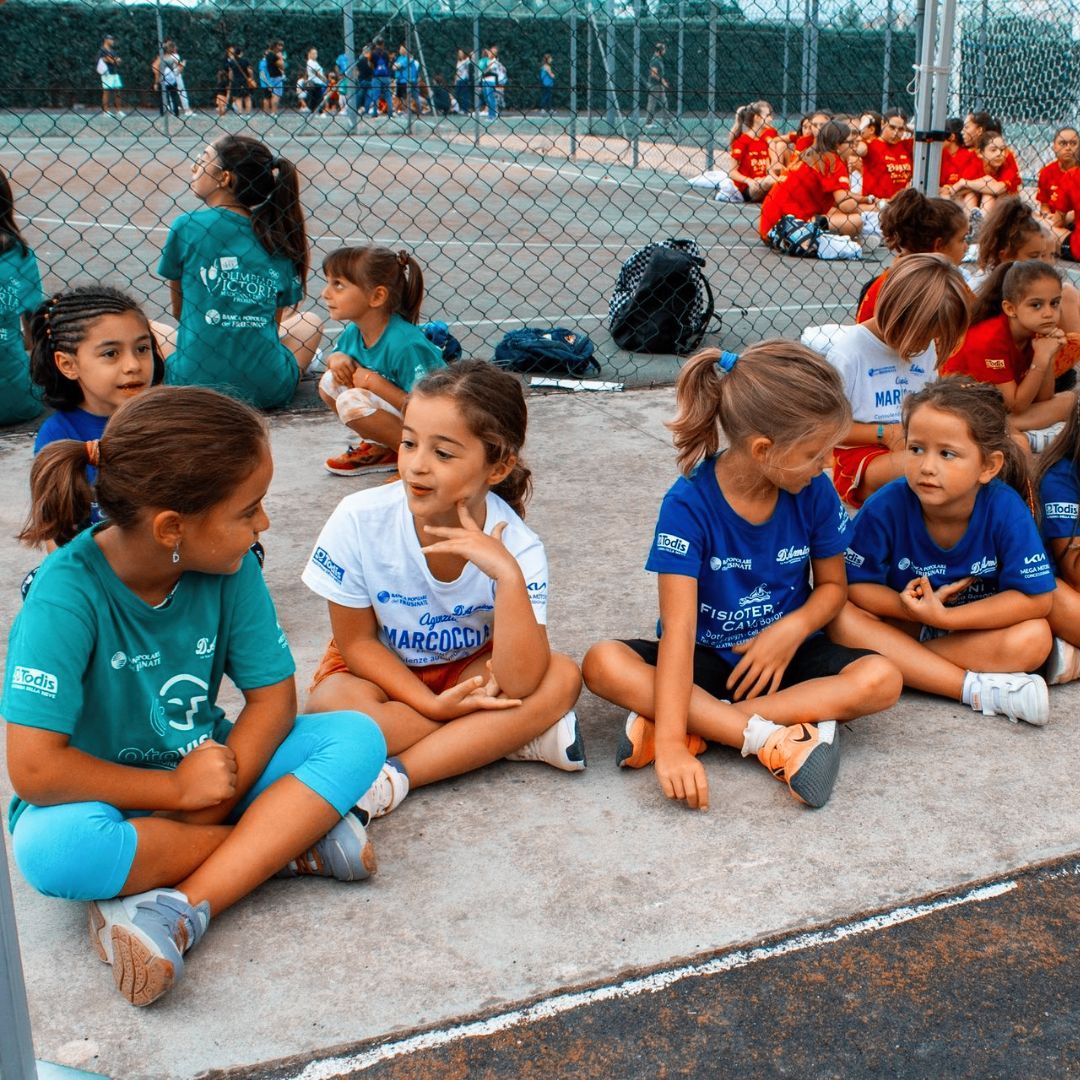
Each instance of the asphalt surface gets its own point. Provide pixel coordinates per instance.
(982, 983)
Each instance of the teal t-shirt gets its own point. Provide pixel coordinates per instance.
(228, 335)
(20, 293)
(402, 355)
(132, 683)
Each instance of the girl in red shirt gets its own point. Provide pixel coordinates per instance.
(988, 176)
(887, 162)
(817, 186)
(753, 149)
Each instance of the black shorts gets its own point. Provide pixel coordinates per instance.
(816, 658)
(1066, 249)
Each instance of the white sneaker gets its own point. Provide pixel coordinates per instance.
(390, 787)
(1014, 694)
(1063, 663)
(119, 115)
(561, 746)
(188, 115)
(1040, 438)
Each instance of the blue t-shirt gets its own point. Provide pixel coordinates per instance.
(232, 287)
(403, 354)
(74, 424)
(1001, 547)
(20, 294)
(132, 683)
(546, 78)
(748, 576)
(1059, 494)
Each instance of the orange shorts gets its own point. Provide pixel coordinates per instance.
(849, 468)
(436, 677)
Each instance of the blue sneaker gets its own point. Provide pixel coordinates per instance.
(145, 937)
(344, 853)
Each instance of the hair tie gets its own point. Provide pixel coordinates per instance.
(727, 361)
(93, 452)
(275, 163)
(403, 258)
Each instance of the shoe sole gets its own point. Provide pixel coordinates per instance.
(815, 778)
(359, 470)
(140, 972)
(575, 752)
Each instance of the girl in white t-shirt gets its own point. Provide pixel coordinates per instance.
(438, 597)
(920, 318)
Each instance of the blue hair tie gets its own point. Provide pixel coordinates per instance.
(727, 361)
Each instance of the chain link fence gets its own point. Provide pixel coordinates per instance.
(607, 127)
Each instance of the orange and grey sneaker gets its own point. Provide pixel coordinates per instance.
(637, 747)
(807, 757)
(363, 458)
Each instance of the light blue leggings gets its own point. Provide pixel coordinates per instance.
(84, 851)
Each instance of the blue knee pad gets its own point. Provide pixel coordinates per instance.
(336, 754)
(75, 851)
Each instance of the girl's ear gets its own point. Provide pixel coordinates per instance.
(379, 295)
(760, 447)
(67, 365)
(501, 470)
(992, 465)
(167, 529)
(1009, 308)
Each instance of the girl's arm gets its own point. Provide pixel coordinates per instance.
(365, 379)
(1038, 383)
(1066, 552)
(879, 600)
(680, 773)
(985, 185)
(766, 656)
(845, 201)
(176, 295)
(46, 770)
(995, 612)
(860, 434)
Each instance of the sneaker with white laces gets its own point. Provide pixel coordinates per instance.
(344, 853)
(1014, 694)
(561, 746)
(390, 787)
(1063, 663)
(1041, 438)
(144, 937)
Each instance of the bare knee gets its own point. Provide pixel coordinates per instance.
(602, 666)
(565, 679)
(1029, 642)
(878, 683)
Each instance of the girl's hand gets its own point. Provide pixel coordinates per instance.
(472, 695)
(487, 552)
(1045, 347)
(342, 367)
(206, 777)
(926, 605)
(682, 776)
(764, 660)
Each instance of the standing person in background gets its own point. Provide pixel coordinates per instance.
(315, 81)
(501, 78)
(380, 67)
(465, 81)
(489, 84)
(108, 67)
(274, 59)
(164, 71)
(346, 70)
(658, 85)
(547, 84)
(236, 78)
(248, 82)
(365, 80)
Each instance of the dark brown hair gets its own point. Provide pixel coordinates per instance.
(396, 271)
(9, 232)
(1006, 228)
(62, 323)
(269, 187)
(1009, 281)
(912, 223)
(982, 407)
(777, 388)
(181, 448)
(825, 150)
(493, 404)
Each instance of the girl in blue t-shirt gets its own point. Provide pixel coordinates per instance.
(379, 355)
(1058, 485)
(133, 790)
(947, 573)
(742, 659)
(20, 293)
(234, 269)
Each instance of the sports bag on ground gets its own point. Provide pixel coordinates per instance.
(535, 350)
(793, 236)
(662, 301)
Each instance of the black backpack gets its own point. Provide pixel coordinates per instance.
(662, 301)
(534, 350)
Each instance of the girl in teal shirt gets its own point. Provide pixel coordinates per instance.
(234, 268)
(20, 293)
(133, 789)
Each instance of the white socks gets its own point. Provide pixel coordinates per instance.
(756, 734)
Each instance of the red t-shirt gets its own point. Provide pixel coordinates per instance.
(1054, 182)
(1008, 174)
(960, 160)
(989, 354)
(804, 142)
(804, 191)
(950, 167)
(751, 155)
(869, 300)
(887, 167)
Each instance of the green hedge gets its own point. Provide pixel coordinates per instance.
(750, 56)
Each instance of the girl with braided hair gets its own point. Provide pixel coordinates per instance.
(235, 268)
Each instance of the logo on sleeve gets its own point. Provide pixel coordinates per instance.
(322, 560)
(853, 558)
(1035, 565)
(35, 681)
(674, 544)
(1060, 510)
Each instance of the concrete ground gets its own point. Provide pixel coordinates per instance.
(520, 881)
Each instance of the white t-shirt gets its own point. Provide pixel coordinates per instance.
(876, 380)
(368, 555)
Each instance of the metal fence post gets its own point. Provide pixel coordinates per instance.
(635, 88)
(477, 91)
(979, 104)
(609, 63)
(923, 94)
(573, 81)
(161, 67)
(682, 52)
(349, 33)
(886, 78)
(787, 56)
(588, 74)
(16, 1043)
(710, 123)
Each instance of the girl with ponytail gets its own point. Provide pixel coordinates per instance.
(742, 659)
(438, 597)
(234, 269)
